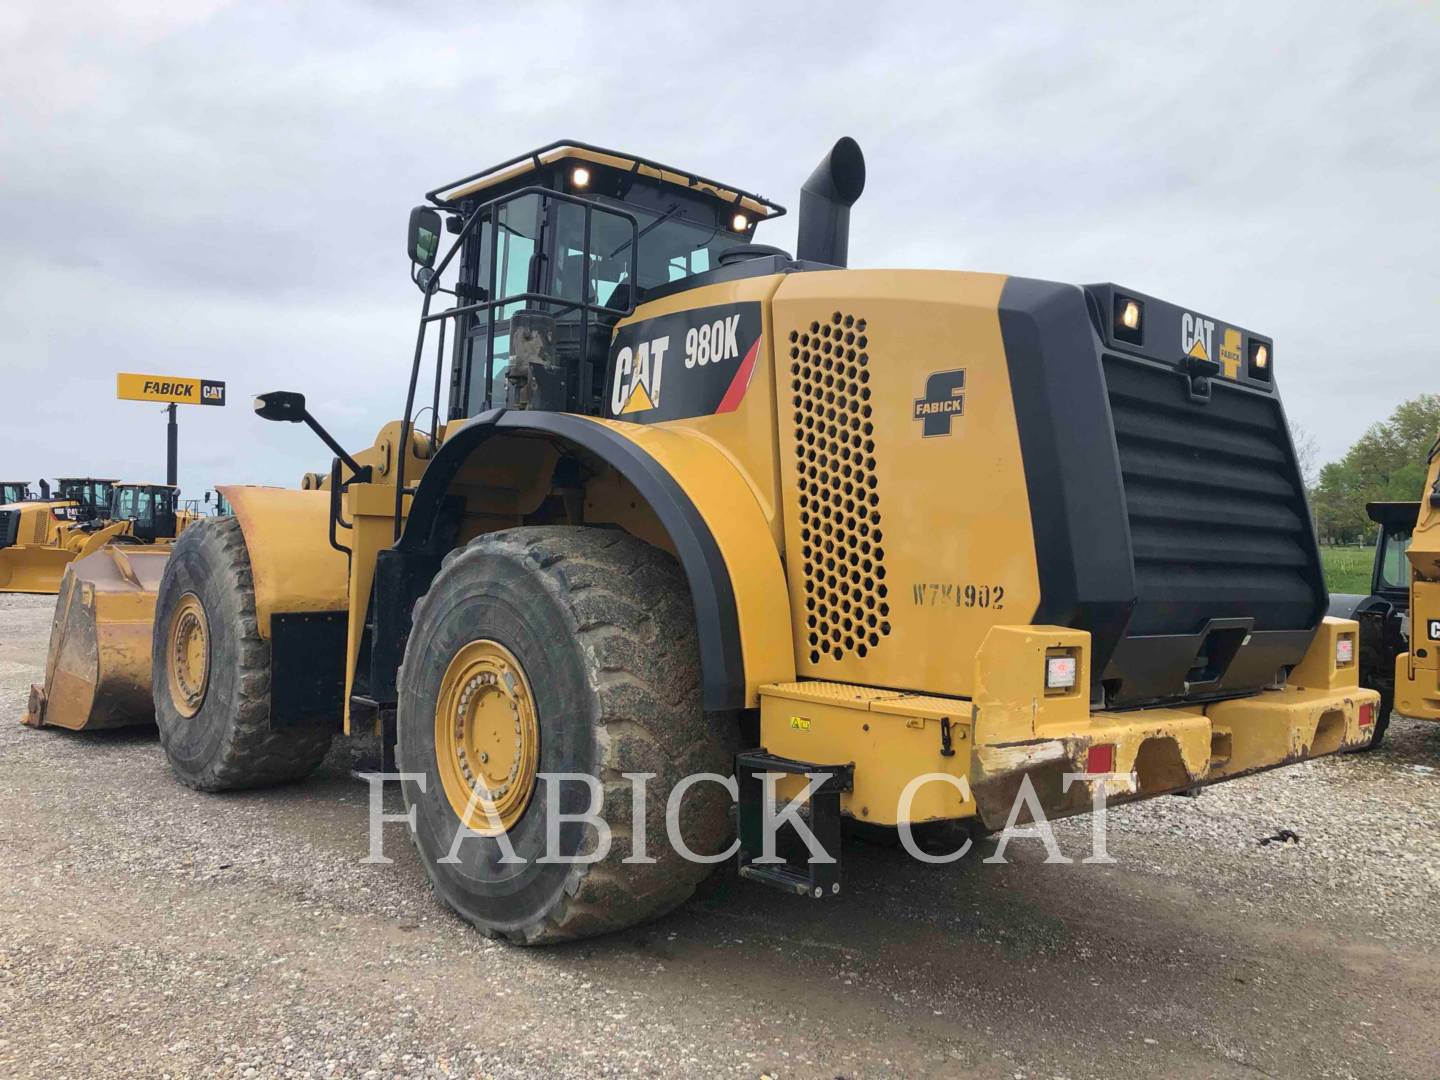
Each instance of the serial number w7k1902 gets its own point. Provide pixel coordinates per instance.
(959, 595)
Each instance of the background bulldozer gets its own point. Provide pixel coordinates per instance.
(910, 545)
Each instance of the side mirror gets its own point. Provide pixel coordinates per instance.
(424, 240)
(207, 497)
(284, 405)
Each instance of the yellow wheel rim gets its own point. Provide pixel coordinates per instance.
(487, 739)
(189, 653)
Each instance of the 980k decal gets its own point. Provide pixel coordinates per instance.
(691, 363)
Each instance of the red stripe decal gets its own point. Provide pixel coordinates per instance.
(738, 385)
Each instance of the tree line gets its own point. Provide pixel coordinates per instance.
(1387, 463)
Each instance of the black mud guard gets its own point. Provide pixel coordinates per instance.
(403, 572)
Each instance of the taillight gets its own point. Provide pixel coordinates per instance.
(1367, 714)
(1100, 759)
(1344, 650)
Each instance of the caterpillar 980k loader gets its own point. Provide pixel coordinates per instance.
(936, 539)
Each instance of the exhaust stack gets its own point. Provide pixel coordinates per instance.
(825, 201)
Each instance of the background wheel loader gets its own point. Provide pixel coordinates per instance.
(1417, 671)
(914, 542)
(1400, 619)
(39, 539)
(1383, 615)
(15, 491)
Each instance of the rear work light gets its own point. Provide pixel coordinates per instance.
(1344, 650)
(1128, 318)
(1060, 672)
(1367, 714)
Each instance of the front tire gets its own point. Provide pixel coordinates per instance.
(547, 650)
(210, 671)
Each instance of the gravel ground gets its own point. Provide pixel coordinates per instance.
(149, 930)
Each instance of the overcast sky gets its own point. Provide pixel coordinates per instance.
(221, 189)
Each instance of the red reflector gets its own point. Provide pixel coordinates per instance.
(1367, 715)
(1100, 759)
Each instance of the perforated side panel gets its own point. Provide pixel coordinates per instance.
(842, 559)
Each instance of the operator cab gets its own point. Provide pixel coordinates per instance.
(576, 236)
(91, 497)
(151, 508)
(1390, 576)
(14, 491)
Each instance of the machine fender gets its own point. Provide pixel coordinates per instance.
(713, 523)
(293, 566)
(1345, 605)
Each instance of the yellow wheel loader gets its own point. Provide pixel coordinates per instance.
(40, 539)
(15, 491)
(707, 525)
(1417, 671)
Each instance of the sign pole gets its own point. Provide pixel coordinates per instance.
(173, 390)
(172, 448)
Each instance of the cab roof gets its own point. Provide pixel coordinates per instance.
(145, 483)
(571, 150)
(1393, 513)
(85, 480)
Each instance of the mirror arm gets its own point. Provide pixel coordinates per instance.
(329, 440)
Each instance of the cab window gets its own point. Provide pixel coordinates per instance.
(1394, 566)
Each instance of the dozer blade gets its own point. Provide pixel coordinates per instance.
(97, 673)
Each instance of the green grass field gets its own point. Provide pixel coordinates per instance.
(1347, 569)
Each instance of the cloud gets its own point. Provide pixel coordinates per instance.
(220, 188)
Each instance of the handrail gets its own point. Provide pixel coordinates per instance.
(433, 285)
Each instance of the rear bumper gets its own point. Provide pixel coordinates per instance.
(917, 758)
(1155, 751)
(1320, 710)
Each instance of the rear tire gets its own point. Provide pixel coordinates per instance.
(210, 671)
(602, 629)
(1382, 721)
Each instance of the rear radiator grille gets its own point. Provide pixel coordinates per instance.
(841, 555)
(1218, 520)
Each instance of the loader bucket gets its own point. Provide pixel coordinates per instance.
(97, 673)
(39, 568)
(32, 568)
